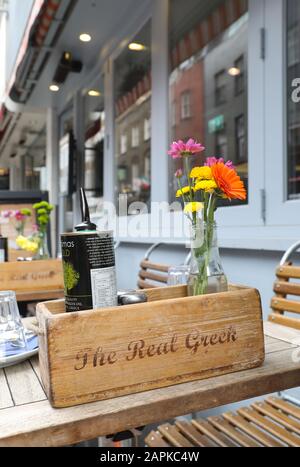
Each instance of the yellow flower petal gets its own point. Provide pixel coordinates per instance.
(201, 173)
(193, 207)
(183, 191)
(206, 185)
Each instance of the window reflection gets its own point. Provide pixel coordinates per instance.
(293, 108)
(94, 144)
(133, 118)
(208, 80)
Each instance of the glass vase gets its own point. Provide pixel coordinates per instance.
(19, 228)
(206, 271)
(43, 250)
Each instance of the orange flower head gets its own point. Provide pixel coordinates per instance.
(228, 181)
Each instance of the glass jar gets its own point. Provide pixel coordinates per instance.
(206, 270)
(43, 250)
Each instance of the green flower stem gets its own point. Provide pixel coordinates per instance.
(202, 254)
(188, 171)
(183, 195)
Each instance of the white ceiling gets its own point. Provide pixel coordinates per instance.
(100, 18)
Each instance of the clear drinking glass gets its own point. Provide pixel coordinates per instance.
(12, 333)
(178, 275)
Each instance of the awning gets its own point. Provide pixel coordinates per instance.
(33, 53)
(6, 110)
(37, 46)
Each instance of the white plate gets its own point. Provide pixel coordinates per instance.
(14, 359)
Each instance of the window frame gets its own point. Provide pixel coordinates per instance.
(240, 76)
(185, 105)
(281, 211)
(219, 101)
(237, 119)
(249, 226)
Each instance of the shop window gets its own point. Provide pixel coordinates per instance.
(94, 143)
(132, 88)
(241, 150)
(221, 144)
(123, 142)
(147, 129)
(238, 71)
(293, 110)
(220, 88)
(135, 137)
(186, 105)
(204, 50)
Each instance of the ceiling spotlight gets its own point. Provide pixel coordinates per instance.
(54, 87)
(136, 46)
(84, 37)
(234, 71)
(94, 93)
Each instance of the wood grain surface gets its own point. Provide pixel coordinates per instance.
(38, 424)
(100, 354)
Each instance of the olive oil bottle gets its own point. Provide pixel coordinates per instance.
(89, 265)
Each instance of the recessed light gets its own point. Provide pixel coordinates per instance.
(84, 37)
(234, 71)
(94, 93)
(54, 87)
(136, 46)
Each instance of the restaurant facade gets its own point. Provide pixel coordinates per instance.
(101, 112)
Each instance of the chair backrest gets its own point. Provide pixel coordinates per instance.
(287, 292)
(151, 274)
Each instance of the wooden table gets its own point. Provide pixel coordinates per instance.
(27, 419)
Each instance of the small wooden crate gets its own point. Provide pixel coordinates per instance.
(95, 355)
(31, 279)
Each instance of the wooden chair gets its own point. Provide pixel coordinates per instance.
(285, 288)
(273, 422)
(151, 274)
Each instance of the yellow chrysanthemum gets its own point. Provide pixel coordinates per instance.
(183, 191)
(26, 244)
(206, 185)
(201, 173)
(193, 207)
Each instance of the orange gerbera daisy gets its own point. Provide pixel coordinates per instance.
(228, 181)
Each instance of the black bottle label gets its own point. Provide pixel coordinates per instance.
(89, 271)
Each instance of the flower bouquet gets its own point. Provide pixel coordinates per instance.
(17, 218)
(37, 242)
(203, 187)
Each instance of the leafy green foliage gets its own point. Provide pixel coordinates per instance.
(71, 276)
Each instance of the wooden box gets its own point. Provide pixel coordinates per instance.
(33, 280)
(95, 355)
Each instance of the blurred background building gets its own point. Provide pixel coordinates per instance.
(93, 92)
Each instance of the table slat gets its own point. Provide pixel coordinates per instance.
(36, 368)
(5, 397)
(38, 424)
(24, 384)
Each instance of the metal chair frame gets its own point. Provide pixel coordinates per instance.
(285, 259)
